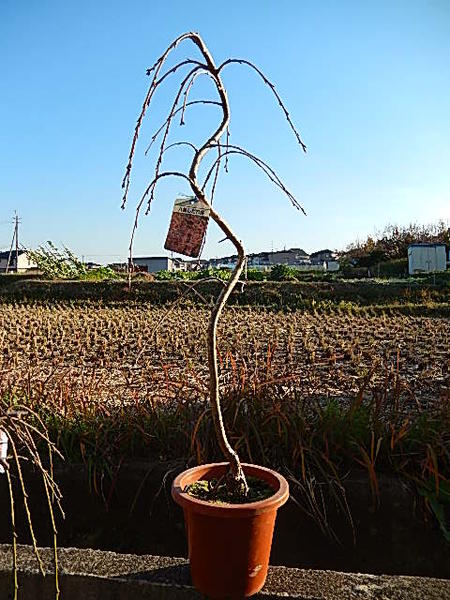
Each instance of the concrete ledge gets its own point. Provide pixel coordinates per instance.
(97, 575)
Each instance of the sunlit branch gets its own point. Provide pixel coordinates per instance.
(271, 174)
(241, 61)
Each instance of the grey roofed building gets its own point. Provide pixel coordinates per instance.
(153, 264)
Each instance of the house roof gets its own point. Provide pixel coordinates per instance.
(426, 245)
(319, 252)
(5, 254)
(296, 250)
(151, 257)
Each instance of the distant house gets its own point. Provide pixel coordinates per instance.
(293, 257)
(427, 258)
(226, 262)
(24, 262)
(153, 264)
(326, 259)
(265, 260)
(322, 256)
(91, 266)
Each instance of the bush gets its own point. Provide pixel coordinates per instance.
(282, 273)
(223, 274)
(254, 275)
(64, 264)
(391, 268)
(165, 275)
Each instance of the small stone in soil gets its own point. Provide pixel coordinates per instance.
(213, 490)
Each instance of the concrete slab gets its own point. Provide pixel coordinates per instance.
(96, 575)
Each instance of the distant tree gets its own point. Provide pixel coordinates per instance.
(393, 241)
(57, 264)
(64, 264)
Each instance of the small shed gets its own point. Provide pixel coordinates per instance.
(426, 258)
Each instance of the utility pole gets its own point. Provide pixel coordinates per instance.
(15, 238)
(16, 233)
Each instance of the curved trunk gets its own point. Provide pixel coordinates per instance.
(236, 478)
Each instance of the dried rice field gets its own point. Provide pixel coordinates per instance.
(71, 355)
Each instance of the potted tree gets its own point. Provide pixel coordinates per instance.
(229, 507)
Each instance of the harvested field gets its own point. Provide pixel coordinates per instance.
(90, 353)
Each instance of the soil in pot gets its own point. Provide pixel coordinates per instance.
(216, 491)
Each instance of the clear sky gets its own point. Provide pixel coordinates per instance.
(367, 83)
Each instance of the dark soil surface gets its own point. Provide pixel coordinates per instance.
(213, 490)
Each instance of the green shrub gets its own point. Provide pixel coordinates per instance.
(282, 273)
(223, 274)
(64, 264)
(391, 268)
(254, 275)
(165, 275)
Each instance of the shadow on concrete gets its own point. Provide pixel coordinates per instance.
(175, 575)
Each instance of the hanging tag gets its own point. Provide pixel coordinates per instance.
(188, 226)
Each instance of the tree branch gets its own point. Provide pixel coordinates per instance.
(241, 61)
(156, 68)
(271, 174)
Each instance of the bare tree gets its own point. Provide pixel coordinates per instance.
(206, 66)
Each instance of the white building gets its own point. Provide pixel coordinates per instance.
(154, 264)
(427, 258)
(24, 262)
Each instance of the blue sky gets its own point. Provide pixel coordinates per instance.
(367, 83)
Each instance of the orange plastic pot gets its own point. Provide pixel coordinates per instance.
(229, 544)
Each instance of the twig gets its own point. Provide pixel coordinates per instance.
(25, 503)
(155, 135)
(14, 534)
(271, 174)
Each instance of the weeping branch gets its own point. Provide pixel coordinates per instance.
(241, 61)
(271, 174)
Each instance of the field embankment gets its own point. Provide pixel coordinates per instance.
(420, 296)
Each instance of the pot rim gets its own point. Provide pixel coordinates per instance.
(187, 501)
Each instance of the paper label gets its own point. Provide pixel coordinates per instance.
(188, 226)
(191, 206)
